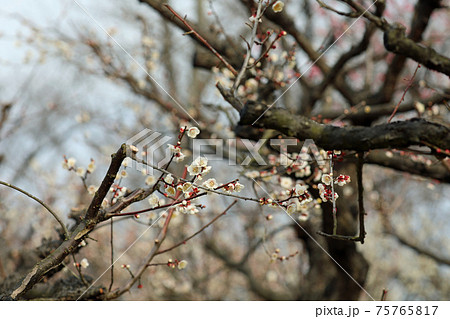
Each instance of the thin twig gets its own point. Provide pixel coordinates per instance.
(237, 81)
(192, 31)
(333, 197)
(384, 295)
(410, 83)
(54, 214)
(157, 244)
(199, 231)
(359, 173)
(112, 253)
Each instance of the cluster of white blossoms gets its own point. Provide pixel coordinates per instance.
(186, 207)
(199, 167)
(176, 151)
(70, 165)
(325, 192)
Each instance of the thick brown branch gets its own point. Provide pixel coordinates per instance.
(91, 219)
(396, 41)
(392, 135)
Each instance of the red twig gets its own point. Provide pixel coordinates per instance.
(384, 295)
(410, 83)
(217, 54)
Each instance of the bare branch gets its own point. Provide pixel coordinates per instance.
(54, 214)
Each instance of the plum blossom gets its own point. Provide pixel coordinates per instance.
(169, 179)
(303, 216)
(210, 183)
(171, 191)
(182, 264)
(326, 179)
(92, 189)
(150, 180)
(194, 169)
(84, 263)
(299, 190)
(193, 132)
(91, 167)
(291, 208)
(278, 6)
(179, 157)
(153, 200)
(81, 171)
(286, 182)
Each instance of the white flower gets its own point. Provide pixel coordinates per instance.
(286, 182)
(193, 132)
(291, 208)
(303, 216)
(126, 162)
(153, 200)
(194, 169)
(238, 187)
(81, 171)
(71, 162)
(210, 183)
(187, 187)
(173, 149)
(299, 190)
(134, 149)
(91, 167)
(150, 180)
(84, 263)
(201, 161)
(179, 157)
(252, 174)
(191, 209)
(171, 191)
(182, 264)
(251, 84)
(123, 174)
(92, 189)
(326, 179)
(169, 179)
(278, 6)
(206, 170)
(420, 108)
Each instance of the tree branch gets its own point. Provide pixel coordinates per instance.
(392, 135)
(54, 214)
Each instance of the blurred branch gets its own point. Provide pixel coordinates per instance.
(202, 40)
(255, 284)
(222, 47)
(199, 231)
(408, 164)
(54, 214)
